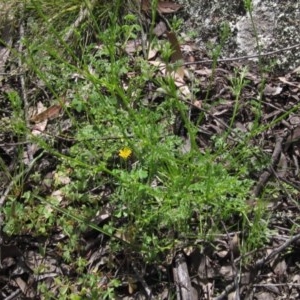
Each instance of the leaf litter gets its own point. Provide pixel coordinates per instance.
(206, 270)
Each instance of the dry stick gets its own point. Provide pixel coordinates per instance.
(276, 251)
(14, 295)
(84, 13)
(284, 189)
(241, 57)
(175, 279)
(229, 288)
(291, 183)
(182, 277)
(277, 284)
(261, 262)
(23, 88)
(295, 159)
(14, 144)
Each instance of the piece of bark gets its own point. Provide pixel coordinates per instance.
(184, 289)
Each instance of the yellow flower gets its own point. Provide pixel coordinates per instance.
(125, 152)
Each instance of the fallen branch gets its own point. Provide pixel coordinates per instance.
(182, 278)
(261, 262)
(276, 251)
(241, 57)
(23, 85)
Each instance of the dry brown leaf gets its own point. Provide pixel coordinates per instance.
(179, 82)
(271, 90)
(227, 272)
(232, 296)
(133, 46)
(146, 5)
(235, 245)
(152, 53)
(39, 127)
(280, 268)
(161, 66)
(188, 48)
(50, 113)
(160, 29)
(163, 7)
(198, 103)
(61, 178)
(296, 278)
(177, 54)
(264, 296)
(23, 286)
(31, 150)
(132, 285)
(37, 110)
(58, 195)
(205, 72)
(284, 80)
(166, 7)
(297, 70)
(178, 75)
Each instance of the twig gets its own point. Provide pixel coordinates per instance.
(276, 251)
(182, 277)
(13, 295)
(284, 189)
(241, 57)
(226, 291)
(260, 263)
(289, 182)
(23, 85)
(277, 284)
(14, 144)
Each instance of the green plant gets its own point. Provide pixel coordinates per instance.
(17, 124)
(215, 52)
(123, 151)
(238, 82)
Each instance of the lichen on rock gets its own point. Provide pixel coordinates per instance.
(274, 23)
